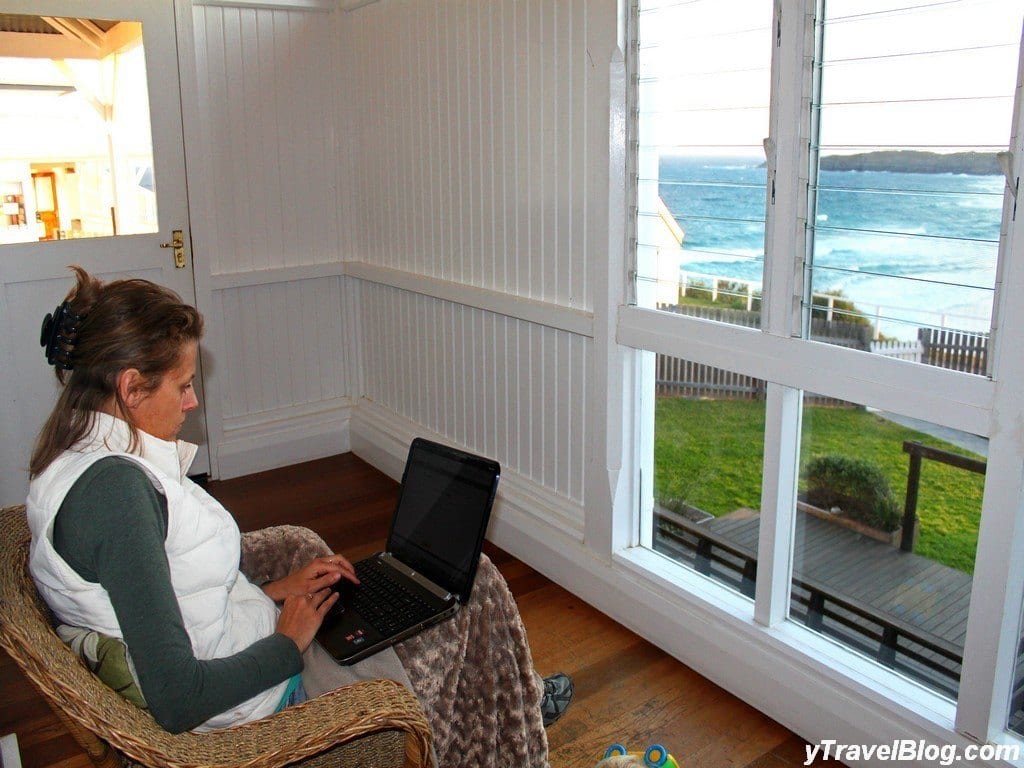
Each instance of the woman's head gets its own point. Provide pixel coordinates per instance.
(131, 353)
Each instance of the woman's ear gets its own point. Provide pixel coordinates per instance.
(129, 387)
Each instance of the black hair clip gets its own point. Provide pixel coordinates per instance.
(58, 335)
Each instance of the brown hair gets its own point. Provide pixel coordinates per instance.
(125, 324)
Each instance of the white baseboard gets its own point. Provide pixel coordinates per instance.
(284, 436)
(9, 755)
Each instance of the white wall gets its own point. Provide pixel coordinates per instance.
(400, 141)
(264, 165)
(469, 138)
(495, 384)
(470, 134)
(267, 128)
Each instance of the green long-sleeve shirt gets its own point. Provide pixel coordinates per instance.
(111, 530)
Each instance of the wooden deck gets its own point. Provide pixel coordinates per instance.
(906, 586)
(884, 600)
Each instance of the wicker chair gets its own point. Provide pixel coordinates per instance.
(376, 723)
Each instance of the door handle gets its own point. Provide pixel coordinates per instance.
(178, 244)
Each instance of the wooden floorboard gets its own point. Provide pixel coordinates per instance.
(627, 690)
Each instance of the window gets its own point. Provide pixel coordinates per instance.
(847, 490)
(703, 87)
(914, 102)
(708, 443)
(886, 532)
(77, 156)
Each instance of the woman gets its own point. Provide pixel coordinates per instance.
(125, 544)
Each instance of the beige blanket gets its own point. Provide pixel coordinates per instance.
(473, 674)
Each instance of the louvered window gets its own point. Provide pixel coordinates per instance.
(703, 85)
(911, 104)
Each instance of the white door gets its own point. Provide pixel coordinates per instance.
(115, 230)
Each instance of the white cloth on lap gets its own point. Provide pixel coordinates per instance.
(322, 673)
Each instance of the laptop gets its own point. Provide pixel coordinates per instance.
(428, 566)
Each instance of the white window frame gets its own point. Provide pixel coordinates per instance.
(989, 407)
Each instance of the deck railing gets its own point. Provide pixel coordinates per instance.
(890, 640)
(917, 452)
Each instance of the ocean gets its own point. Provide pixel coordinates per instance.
(909, 249)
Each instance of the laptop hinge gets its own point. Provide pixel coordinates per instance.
(419, 578)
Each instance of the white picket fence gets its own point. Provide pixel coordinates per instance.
(958, 351)
(901, 350)
(750, 291)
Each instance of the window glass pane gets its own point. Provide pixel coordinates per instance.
(76, 158)
(708, 459)
(906, 192)
(703, 95)
(886, 533)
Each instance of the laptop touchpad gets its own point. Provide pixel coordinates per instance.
(346, 592)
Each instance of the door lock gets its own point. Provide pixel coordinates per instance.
(178, 244)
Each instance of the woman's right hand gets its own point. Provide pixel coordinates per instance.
(302, 615)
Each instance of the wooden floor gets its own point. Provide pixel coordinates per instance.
(627, 691)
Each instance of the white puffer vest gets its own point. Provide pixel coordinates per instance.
(223, 612)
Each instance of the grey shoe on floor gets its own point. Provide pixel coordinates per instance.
(558, 690)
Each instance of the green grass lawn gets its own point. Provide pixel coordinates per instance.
(709, 454)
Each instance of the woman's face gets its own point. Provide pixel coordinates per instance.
(162, 412)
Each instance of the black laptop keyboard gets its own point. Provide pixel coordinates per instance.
(385, 603)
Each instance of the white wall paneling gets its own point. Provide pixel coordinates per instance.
(288, 345)
(470, 126)
(382, 437)
(497, 385)
(260, 111)
(286, 375)
(265, 132)
(472, 134)
(293, 347)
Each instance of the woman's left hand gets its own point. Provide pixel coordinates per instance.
(317, 574)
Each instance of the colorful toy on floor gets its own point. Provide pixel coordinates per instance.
(655, 757)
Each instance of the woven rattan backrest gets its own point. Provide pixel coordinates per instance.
(27, 634)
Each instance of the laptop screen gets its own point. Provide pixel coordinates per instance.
(443, 509)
